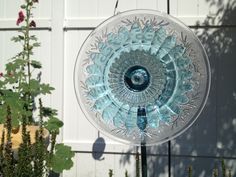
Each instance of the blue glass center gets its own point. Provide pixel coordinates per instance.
(137, 78)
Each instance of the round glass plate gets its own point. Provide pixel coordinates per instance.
(142, 77)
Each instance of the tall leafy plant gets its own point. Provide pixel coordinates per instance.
(21, 90)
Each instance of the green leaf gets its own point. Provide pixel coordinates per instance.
(34, 87)
(46, 89)
(36, 44)
(16, 104)
(17, 38)
(36, 64)
(14, 65)
(62, 159)
(23, 28)
(53, 124)
(33, 38)
(2, 84)
(23, 6)
(15, 121)
(49, 112)
(2, 114)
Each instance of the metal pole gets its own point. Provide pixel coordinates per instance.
(168, 6)
(169, 142)
(169, 158)
(144, 160)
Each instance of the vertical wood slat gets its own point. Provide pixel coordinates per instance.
(9, 9)
(73, 171)
(106, 8)
(2, 9)
(195, 12)
(141, 4)
(57, 57)
(86, 166)
(8, 48)
(162, 5)
(76, 125)
(123, 5)
(80, 8)
(193, 8)
(186, 11)
(184, 8)
(226, 89)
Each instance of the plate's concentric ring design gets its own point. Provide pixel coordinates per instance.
(142, 77)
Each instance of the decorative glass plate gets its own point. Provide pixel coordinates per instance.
(142, 77)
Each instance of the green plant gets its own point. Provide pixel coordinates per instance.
(215, 172)
(223, 167)
(110, 173)
(126, 173)
(230, 175)
(21, 90)
(190, 171)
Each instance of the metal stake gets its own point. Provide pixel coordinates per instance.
(169, 158)
(144, 159)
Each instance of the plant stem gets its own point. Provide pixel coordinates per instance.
(110, 173)
(2, 148)
(28, 12)
(41, 118)
(230, 175)
(26, 54)
(51, 152)
(215, 172)
(190, 171)
(223, 168)
(8, 169)
(126, 173)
